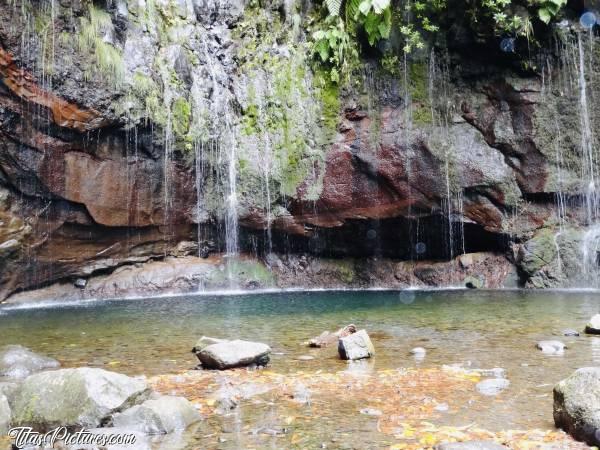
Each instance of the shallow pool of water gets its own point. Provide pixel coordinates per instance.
(477, 329)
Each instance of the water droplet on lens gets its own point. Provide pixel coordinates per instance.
(407, 297)
(371, 234)
(507, 45)
(588, 20)
(420, 248)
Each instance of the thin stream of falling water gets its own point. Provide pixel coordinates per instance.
(227, 147)
(591, 241)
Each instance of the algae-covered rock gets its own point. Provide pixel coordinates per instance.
(577, 405)
(82, 397)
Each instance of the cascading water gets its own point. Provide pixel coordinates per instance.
(591, 240)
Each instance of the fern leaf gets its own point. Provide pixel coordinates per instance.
(352, 9)
(334, 7)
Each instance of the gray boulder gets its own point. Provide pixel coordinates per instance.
(5, 415)
(577, 405)
(20, 362)
(471, 445)
(593, 327)
(83, 397)
(356, 346)
(162, 415)
(9, 389)
(230, 354)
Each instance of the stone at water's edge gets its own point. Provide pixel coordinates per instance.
(230, 354)
(593, 327)
(471, 445)
(83, 397)
(158, 416)
(356, 346)
(5, 415)
(20, 362)
(577, 405)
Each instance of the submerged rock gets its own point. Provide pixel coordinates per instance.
(493, 386)
(570, 333)
(20, 362)
(5, 415)
(326, 338)
(551, 347)
(356, 346)
(83, 397)
(162, 415)
(418, 352)
(577, 405)
(230, 354)
(593, 327)
(471, 445)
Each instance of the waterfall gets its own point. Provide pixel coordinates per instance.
(227, 155)
(591, 240)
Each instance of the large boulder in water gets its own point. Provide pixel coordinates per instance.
(83, 397)
(230, 354)
(356, 346)
(5, 415)
(577, 405)
(158, 416)
(593, 327)
(20, 362)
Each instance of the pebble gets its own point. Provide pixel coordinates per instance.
(492, 386)
(371, 412)
(551, 347)
(418, 352)
(305, 358)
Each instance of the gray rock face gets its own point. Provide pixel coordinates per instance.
(356, 346)
(577, 405)
(20, 362)
(158, 416)
(471, 445)
(551, 347)
(237, 353)
(74, 397)
(493, 386)
(5, 415)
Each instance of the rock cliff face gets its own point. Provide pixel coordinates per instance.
(137, 131)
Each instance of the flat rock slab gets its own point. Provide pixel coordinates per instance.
(471, 445)
(230, 354)
(577, 405)
(19, 362)
(82, 397)
(162, 415)
(356, 346)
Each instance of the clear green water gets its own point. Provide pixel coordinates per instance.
(483, 329)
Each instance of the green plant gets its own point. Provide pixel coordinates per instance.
(334, 46)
